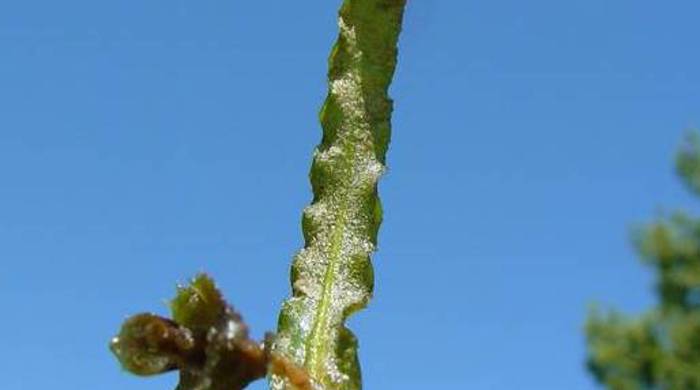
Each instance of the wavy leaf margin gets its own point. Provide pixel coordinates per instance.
(332, 275)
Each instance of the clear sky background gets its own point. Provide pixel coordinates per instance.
(143, 141)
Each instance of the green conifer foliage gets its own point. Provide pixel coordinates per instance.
(661, 349)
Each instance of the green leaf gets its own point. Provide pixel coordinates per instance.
(198, 306)
(207, 341)
(332, 275)
(149, 345)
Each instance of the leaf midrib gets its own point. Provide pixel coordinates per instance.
(316, 343)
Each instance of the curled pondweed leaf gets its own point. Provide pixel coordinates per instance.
(199, 306)
(149, 345)
(207, 341)
(332, 274)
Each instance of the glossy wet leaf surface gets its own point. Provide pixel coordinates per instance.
(332, 275)
(207, 341)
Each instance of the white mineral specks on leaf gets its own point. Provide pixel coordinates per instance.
(332, 370)
(348, 92)
(332, 274)
(329, 154)
(348, 32)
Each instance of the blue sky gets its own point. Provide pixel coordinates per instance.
(143, 141)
